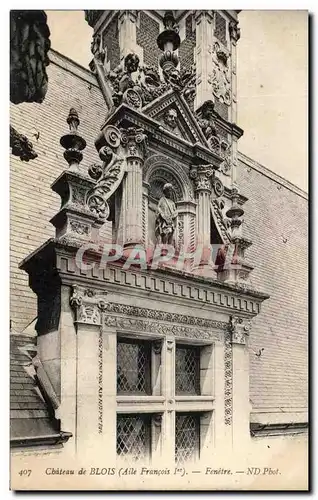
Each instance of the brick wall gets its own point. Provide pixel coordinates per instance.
(186, 50)
(111, 42)
(32, 201)
(146, 37)
(276, 222)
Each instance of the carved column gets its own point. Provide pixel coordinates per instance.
(204, 42)
(201, 176)
(239, 329)
(133, 141)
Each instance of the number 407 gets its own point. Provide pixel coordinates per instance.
(25, 472)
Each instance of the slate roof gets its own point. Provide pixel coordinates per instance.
(30, 416)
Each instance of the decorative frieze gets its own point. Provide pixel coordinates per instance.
(148, 326)
(159, 315)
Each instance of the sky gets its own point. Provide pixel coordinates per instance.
(271, 88)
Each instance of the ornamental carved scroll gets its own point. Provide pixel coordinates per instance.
(108, 176)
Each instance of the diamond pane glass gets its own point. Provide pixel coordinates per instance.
(133, 368)
(187, 370)
(133, 437)
(187, 437)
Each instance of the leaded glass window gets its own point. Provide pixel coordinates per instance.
(133, 437)
(133, 367)
(187, 441)
(187, 370)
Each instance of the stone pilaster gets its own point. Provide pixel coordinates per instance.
(234, 32)
(239, 329)
(168, 421)
(203, 55)
(92, 346)
(127, 22)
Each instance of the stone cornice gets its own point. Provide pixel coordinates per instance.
(59, 255)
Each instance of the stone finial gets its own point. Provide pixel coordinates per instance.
(168, 41)
(235, 212)
(73, 142)
(73, 120)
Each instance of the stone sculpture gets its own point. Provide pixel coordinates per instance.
(166, 216)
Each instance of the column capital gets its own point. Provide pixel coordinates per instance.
(134, 143)
(89, 305)
(239, 329)
(205, 179)
(202, 176)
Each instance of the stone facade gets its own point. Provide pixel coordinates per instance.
(227, 325)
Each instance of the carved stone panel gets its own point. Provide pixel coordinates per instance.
(88, 305)
(220, 78)
(239, 328)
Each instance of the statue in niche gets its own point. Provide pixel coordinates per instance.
(170, 121)
(166, 216)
